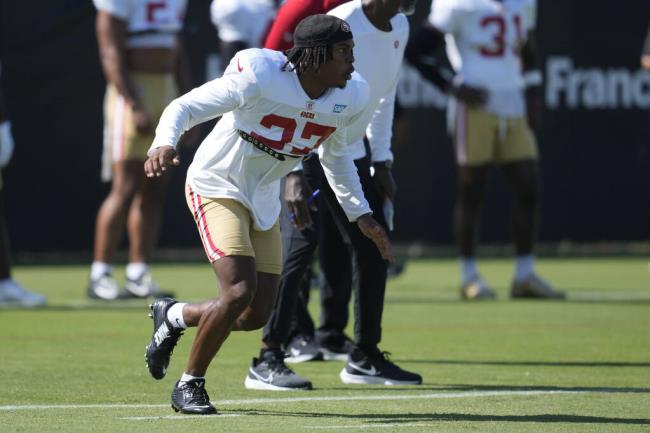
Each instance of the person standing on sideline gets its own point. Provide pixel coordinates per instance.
(143, 61)
(11, 292)
(494, 104)
(381, 34)
(276, 109)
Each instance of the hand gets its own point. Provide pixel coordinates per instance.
(376, 233)
(645, 61)
(469, 94)
(142, 120)
(160, 159)
(384, 182)
(296, 194)
(534, 108)
(6, 143)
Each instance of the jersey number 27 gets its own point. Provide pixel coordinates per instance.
(289, 126)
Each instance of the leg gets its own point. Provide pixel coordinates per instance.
(145, 217)
(238, 281)
(524, 178)
(472, 181)
(335, 259)
(112, 215)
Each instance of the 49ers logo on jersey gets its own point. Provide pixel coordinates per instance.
(289, 127)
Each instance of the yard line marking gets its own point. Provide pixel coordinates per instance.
(360, 426)
(470, 394)
(173, 417)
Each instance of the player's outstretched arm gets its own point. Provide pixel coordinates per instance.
(159, 160)
(376, 233)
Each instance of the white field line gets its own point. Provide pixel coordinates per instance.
(218, 403)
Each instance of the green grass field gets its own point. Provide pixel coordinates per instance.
(582, 365)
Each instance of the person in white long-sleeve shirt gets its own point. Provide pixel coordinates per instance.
(276, 109)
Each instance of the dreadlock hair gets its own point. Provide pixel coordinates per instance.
(302, 59)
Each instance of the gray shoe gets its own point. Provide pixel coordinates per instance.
(535, 287)
(302, 348)
(270, 373)
(12, 293)
(143, 287)
(476, 289)
(104, 287)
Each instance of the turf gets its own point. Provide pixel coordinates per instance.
(582, 365)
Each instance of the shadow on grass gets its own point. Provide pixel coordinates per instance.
(380, 419)
(505, 388)
(531, 363)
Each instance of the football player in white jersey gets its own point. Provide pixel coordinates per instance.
(144, 66)
(276, 109)
(494, 89)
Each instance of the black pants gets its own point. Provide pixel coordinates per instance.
(339, 242)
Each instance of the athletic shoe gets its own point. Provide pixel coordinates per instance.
(476, 289)
(12, 293)
(104, 287)
(163, 340)
(534, 287)
(302, 348)
(375, 369)
(143, 287)
(191, 397)
(335, 348)
(270, 373)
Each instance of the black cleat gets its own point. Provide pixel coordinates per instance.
(374, 368)
(163, 340)
(192, 398)
(270, 373)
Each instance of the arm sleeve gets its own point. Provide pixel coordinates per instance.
(530, 15)
(209, 101)
(380, 128)
(342, 176)
(280, 36)
(118, 8)
(443, 16)
(426, 52)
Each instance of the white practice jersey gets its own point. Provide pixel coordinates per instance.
(255, 96)
(484, 41)
(242, 20)
(151, 23)
(378, 58)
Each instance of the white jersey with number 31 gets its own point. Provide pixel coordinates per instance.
(484, 41)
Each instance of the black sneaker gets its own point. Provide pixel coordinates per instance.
(192, 398)
(376, 369)
(163, 340)
(271, 373)
(335, 348)
(302, 348)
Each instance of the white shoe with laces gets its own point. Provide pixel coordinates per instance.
(12, 293)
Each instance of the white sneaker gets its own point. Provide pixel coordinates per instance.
(12, 293)
(476, 289)
(142, 287)
(104, 287)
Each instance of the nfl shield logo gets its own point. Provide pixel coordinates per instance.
(310, 105)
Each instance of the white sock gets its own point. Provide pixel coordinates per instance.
(135, 270)
(175, 315)
(468, 269)
(97, 269)
(187, 377)
(524, 266)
